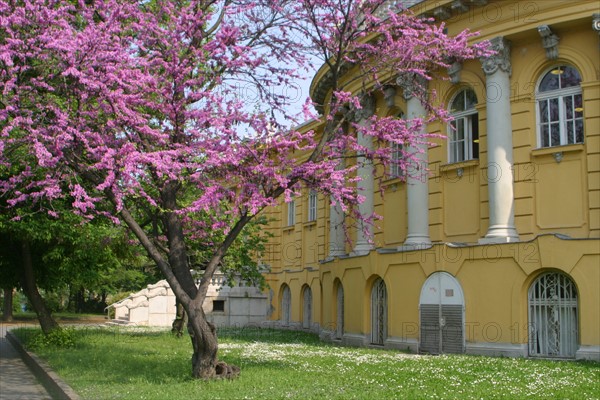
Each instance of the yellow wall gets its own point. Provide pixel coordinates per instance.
(550, 198)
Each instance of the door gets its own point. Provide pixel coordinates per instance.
(441, 310)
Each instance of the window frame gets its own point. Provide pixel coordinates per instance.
(313, 201)
(560, 94)
(468, 118)
(291, 212)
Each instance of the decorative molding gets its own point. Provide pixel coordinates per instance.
(411, 84)
(558, 157)
(442, 13)
(459, 6)
(366, 111)
(500, 60)
(389, 94)
(549, 42)
(454, 72)
(596, 22)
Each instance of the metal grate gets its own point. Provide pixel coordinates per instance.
(286, 300)
(339, 329)
(378, 312)
(553, 329)
(307, 314)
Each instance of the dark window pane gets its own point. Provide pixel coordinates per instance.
(459, 103)
(549, 82)
(568, 100)
(579, 131)
(460, 129)
(460, 151)
(554, 135)
(570, 136)
(543, 110)
(475, 134)
(570, 77)
(471, 99)
(545, 136)
(554, 112)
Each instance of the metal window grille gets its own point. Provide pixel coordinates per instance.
(378, 312)
(307, 314)
(553, 316)
(286, 300)
(339, 332)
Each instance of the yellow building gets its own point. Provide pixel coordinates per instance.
(496, 249)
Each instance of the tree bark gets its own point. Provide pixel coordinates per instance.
(47, 323)
(7, 313)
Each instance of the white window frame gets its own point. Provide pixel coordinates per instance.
(396, 155)
(561, 95)
(312, 205)
(467, 117)
(291, 213)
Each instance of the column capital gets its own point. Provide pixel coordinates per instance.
(367, 103)
(500, 60)
(596, 22)
(411, 84)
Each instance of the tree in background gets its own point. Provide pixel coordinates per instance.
(132, 111)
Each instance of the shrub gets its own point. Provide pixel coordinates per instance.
(61, 338)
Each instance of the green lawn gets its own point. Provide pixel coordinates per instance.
(119, 364)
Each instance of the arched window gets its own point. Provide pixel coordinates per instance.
(560, 107)
(307, 307)
(286, 301)
(463, 134)
(378, 312)
(553, 326)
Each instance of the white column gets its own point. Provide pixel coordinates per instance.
(501, 202)
(364, 231)
(417, 182)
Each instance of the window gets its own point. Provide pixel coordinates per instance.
(312, 205)
(560, 107)
(307, 308)
(378, 312)
(396, 156)
(291, 213)
(553, 316)
(286, 301)
(218, 305)
(464, 130)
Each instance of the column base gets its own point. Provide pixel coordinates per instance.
(361, 249)
(415, 242)
(500, 235)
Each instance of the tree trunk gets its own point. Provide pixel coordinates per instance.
(203, 334)
(47, 323)
(7, 314)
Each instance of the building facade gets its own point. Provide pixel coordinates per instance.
(495, 247)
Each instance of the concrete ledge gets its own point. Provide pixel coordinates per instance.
(403, 344)
(496, 349)
(588, 353)
(57, 388)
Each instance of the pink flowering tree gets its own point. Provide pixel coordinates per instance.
(134, 111)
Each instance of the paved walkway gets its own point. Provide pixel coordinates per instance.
(16, 380)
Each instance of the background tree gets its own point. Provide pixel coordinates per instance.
(134, 110)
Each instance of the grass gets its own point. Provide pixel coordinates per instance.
(120, 364)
